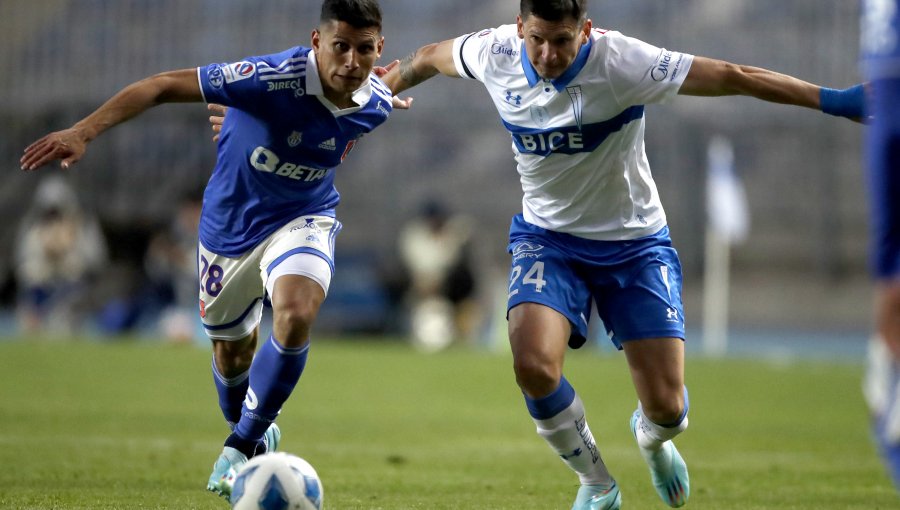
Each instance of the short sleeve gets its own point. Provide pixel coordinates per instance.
(640, 73)
(470, 54)
(244, 84)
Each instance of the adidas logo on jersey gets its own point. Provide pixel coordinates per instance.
(328, 144)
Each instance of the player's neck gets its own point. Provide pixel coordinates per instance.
(339, 99)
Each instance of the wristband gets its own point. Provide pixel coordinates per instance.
(848, 103)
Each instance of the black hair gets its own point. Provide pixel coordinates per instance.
(554, 10)
(356, 13)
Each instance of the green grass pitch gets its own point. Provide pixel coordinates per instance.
(85, 425)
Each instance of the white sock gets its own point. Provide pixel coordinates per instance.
(651, 436)
(569, 436)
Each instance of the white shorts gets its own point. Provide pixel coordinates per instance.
(232, 290)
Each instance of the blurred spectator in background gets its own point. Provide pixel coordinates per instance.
(60, 249)
(434, 250)
(171, 267)
(881, 66)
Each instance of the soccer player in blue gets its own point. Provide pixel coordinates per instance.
(881, 66)
(592, 226)
(268, 225)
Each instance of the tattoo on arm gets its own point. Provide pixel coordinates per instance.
(410, 75)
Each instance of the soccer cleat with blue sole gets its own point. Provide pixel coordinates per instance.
(668, 470)
(598, 497)
(230, 461)
(224, 471)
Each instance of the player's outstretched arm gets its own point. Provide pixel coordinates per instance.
(69, 145)
(710, 77)
(420, 65)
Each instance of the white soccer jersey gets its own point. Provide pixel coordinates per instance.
(579, 139)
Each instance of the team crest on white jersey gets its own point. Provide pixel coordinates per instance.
(540, 115)
(577, 103)
(294, 139)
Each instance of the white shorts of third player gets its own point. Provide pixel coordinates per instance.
(232, 290)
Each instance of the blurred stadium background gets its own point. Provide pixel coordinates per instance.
(800, 275)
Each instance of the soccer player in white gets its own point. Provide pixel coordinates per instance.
(592, 226)
(881, 65)
(268, 224)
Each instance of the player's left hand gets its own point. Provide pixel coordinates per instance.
(67, 145)
(396, 102)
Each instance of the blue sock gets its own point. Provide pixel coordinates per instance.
(552, 404)
(231, 393)
(273, 375)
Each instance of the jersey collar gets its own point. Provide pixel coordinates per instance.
(361, 95)
(565, 78)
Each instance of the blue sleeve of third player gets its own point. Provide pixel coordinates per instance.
(238, 84)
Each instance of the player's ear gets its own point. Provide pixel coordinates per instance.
(380, 47)
(586, 31)
(315, 37)
(520, 25)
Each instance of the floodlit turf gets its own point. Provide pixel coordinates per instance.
(135, 425)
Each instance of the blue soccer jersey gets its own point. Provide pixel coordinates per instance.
(881, 64)
(279, 145)
(880, 41)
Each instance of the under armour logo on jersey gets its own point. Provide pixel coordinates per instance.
(513, 99)
(671, 315)
(250, 401)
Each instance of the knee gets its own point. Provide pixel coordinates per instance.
(293, 321)
(536, 376)
(665, 409)
(233, 358)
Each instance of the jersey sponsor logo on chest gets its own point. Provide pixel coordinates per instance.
(547, 142)
(265, 160)
(295, 85)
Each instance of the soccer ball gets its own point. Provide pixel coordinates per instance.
(277, 481)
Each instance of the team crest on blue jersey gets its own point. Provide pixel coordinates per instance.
(294, 139)
(214, 75)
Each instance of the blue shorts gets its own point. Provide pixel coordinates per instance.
(636, 284)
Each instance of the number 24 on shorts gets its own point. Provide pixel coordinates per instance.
(534, 276)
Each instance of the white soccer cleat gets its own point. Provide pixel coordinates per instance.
(224, 471)
(667, 470)
(598, 497)
(230, 461)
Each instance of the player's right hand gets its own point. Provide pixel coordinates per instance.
(67, 145)
(217, 118)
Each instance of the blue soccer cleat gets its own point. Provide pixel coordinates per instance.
(667, 470)
(598, 497)
(230, 461)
